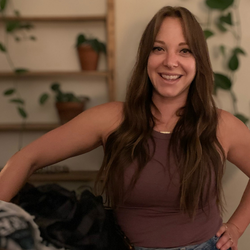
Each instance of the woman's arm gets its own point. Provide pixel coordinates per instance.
(236, 138)
(80, 135)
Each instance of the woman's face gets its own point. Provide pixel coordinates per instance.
(171, 65)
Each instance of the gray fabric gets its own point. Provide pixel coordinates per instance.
(18, 230)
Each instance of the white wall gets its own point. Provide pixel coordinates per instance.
(131, 18)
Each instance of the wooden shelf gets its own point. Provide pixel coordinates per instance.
(67, 176)
(56, 19)
(54, 73)
(28, 127)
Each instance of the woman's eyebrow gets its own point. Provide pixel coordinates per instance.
(180, 44)
(184, 43)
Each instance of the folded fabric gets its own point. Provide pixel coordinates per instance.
(68, 222)
(18, 230)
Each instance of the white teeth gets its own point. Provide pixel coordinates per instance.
(170, 77)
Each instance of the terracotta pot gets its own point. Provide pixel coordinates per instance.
(88, 57)
(69, 110)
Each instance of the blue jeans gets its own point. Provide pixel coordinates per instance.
(208, 245)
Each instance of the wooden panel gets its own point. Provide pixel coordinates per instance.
(110, 28)
(28, 127)
(55, 73)
(56, 19)
(67, 176)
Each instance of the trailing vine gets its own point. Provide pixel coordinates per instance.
(18, 30)
(228, 20)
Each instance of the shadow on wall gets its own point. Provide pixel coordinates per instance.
(230, 171)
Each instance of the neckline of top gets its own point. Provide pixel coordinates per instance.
(160, 135)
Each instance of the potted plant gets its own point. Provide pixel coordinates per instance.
(68, 105)
(88, 51)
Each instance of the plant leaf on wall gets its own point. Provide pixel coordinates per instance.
(220, 26)
(242, 117)
(9, 91)
(11, 26)
(18, 100)
(222, 81)
(238, 50)
(226, 19)
(2, 48)
(222, 50)
(22, 112)
(219, 4)
(3, 5)
(17, 13)
(208, 33)
(20, 71)
(44, 97)
(233, 63)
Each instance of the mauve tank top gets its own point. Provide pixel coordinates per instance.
(151, 217)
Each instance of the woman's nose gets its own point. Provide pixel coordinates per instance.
(170, 60)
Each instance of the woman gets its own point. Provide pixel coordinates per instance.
(165, 147)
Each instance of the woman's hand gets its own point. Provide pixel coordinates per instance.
(229, 235)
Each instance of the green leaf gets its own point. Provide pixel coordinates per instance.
(12, 26)
(219, 4)
(33, 38)
(80, 40)
(17, 13)
(95, 45)
(2, 5)
(9, 91)
(238, 50)
(18, 100)
(103, 47)
(26, 26)
(220, 26)
(43, 98)
(2, 48)
(208, 33)
(22, 112)
(55, 86)
(226, 19)
(222, 50)
(233, 63)
(243, 118)
(222, 81)
(21, 71)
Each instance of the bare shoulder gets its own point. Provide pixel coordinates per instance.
(229, 124)
(101, 119)
(234, 136)
(106, 110)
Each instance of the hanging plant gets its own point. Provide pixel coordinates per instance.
(17, 29)
(225, 22)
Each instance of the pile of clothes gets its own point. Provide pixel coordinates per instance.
(60, 218)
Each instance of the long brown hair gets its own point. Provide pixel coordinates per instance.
(193, 141)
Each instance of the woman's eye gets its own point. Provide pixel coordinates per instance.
(157, 49)
(186, 51)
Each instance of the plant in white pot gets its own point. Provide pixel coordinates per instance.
(68, 104)
(89, 50)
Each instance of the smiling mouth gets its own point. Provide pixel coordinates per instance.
(170, 77)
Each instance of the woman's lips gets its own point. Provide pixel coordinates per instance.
(171, 77)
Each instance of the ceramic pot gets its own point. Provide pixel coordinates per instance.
(69, 110)
(88, 57)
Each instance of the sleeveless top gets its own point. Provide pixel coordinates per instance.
(151, 217)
